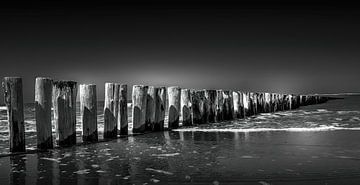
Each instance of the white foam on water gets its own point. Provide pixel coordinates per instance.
(165, 155)
(159, 171)
(300, 129)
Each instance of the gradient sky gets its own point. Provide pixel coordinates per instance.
(275, 47)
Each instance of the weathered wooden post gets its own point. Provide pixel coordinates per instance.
(123, 110)
(241, 97)
(160, 107)
(267, 102)
(251, 103)
(43, 103)
(64, 102)
(203, 106)
(110, 121)
(290, 102)
(150, 108)
(228, 108)
(210, 96)
(88, 112)
(174, 107)
(237, 106)
(186, 107)
(139, 100)
(13, 95)
(116, 105)
(195, 106)
(219, 103)
(246, 104)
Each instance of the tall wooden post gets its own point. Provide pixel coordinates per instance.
(160, 107)
(110, 121)
(13, 95)
(210, 96)
(139, 100)
(123, 110)
(43, 103)
(219, 103)
(186, 107)
(174, 107)
(64, 102)
(150, 108)
(88, 112)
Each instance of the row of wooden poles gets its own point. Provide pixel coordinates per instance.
(149, 105)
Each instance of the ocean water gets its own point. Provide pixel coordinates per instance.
(339, 114)
(317, 144)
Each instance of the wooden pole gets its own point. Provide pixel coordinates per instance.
(246, 104)
(241, 97)
(227, 105)
(110, 121)
(290, 102)
(123, 110)
(88, 112)
(174, 106)
(196, 112)
(139, 100)
(43, 103)
(267, 103)
(219, 103)
(160, 107)
(210, 96)
(237, 106)
(13, 96)
(64, 102)
(150, 108)
(116, 106)
(186, 107)
(203, 107)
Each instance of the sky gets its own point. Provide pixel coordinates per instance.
(294, 47)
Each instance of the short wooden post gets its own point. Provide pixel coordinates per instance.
(150, 108)
(237, 106)
(13, 95)
(203, 106)
(123, 110)
(195, 106)
(267, 102)
(210, 96)
(64, 102)
(43, 103)
(241, 97)
(227, 105)
(110, 121)
(219, 103)
(186, 107)
(174, 107)
(139, 100)
(160, 107)
(245, 104)
(88, 112)
(290, 102)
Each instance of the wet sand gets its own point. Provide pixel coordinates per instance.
(273, 157)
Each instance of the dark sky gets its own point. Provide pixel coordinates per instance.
(257, 46)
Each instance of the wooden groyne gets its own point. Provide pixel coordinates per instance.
(184, 107)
